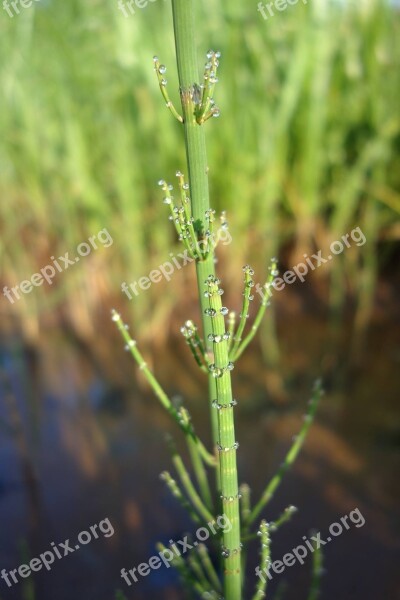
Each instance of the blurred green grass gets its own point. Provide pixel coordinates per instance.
(305, 149)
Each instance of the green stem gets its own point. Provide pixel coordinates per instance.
(265, 556)
(176, 492)
(244, 315)
(158, 390)
(317, 571)
(227, 445)
(246, 507)
(190, 490)
(196, 155)
(236, 353)
(290, 457)
(198, 465)
(209, 567)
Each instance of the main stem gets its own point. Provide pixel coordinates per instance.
(196, 154)
(220, 392)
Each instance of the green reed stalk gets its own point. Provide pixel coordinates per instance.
(196, 155)
(227, 445)
(220, 387)
(217, 352)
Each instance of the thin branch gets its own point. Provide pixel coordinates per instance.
(290, 457)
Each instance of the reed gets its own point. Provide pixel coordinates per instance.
(217, 348)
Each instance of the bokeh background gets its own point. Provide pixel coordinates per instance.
(305, 150)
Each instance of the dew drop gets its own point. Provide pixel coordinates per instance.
(224, 311)
(217, 373)
(162, 69)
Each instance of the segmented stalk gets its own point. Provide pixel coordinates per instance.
(196, 154)
(227, 445)
(265, 557)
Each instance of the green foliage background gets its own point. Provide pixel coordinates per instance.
(305, 149)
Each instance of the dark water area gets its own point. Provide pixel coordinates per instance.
(82, 440)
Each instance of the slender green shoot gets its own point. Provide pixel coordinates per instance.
(317, 572)
(245, 493)
(283, 518)
(244, 315)
(176, 492)
(290, 457)
(209, 567)
(189, 488)
(161, 395)
(265, 559)
(198, 465)
(160, 71)
(234, 355)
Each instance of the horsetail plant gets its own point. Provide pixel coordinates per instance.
(215, 350)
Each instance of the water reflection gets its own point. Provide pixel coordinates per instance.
(82, 441)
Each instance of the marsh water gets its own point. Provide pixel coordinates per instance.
(82, 439)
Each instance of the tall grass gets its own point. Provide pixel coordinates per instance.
(312, 154)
